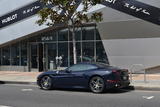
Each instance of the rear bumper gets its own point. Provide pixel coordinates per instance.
(118, 84)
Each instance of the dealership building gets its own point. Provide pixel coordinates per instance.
(129, 35)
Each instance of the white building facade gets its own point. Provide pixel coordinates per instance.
(124, 38)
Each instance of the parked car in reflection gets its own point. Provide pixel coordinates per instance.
(94, 76)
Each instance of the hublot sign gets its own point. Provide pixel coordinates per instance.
(131, 7)
(136, 9)
(10, 18)
(20, 14)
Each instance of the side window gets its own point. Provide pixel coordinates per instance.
(81, 67)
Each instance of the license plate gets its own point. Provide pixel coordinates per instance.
(124, 78)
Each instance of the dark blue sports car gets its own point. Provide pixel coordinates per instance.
(94, 76)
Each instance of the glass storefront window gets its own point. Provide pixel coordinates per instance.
(51, 54)
(43, 49)
(97, 35)
(88, 51)
(15, 54)
(24, 54)
(63, 35)
(34, 56)
(6, 56)
(100, 53)
(88, 33)
(63, 52)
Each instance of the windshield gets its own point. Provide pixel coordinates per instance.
(102, 65)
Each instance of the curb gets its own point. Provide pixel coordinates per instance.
(17, 82)
(147, 88)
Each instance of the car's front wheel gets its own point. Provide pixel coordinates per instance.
(97, 84)
(46, 83)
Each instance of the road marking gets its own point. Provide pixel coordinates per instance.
(4, 106)
(21, 85)
(148, 97)
(26, 89)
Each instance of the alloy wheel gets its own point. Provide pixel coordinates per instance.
(97, 84)
(46, 83)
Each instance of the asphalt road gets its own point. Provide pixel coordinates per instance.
(32, 96)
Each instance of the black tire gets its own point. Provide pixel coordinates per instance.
(46, 83)
(96, 84)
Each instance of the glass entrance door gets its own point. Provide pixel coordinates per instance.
(50, 55)
(34, 57)
(37, 57)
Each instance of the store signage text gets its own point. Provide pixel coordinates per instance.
(111, 1)
(31, 9)
(131, 7)
(20, 14)
(47, 38)
(136, 9)
(10, 18)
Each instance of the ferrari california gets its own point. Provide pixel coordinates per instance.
(96, 77)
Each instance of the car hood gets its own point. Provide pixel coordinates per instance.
(48, 73)
(52, 72)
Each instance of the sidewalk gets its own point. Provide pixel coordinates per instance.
(150, 82)
(18, 77)
(10, 77)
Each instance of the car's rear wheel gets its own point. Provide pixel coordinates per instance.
(97, 84)
(46, 83)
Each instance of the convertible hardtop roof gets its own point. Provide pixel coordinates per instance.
(95, 63)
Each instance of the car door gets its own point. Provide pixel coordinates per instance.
(62, 79)
(79, 79)
(74, 76)
(78, 75)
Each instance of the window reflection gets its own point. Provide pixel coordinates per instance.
(6, 55)
(34, 56)
(98, 37)
(81, 67)
(88, 33)
(15, 56)
(52, 53)
(63, 52)
(63, 35)
(89, 48)
(88, 51)
(24, 53)
(100, 53)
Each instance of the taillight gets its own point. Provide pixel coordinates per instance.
(115, 72)
(112, 81)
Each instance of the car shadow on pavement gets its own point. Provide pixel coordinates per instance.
(110, 91)
(71, 90)
(123, 90)
(1, 82)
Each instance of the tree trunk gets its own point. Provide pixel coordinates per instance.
(74, 45)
